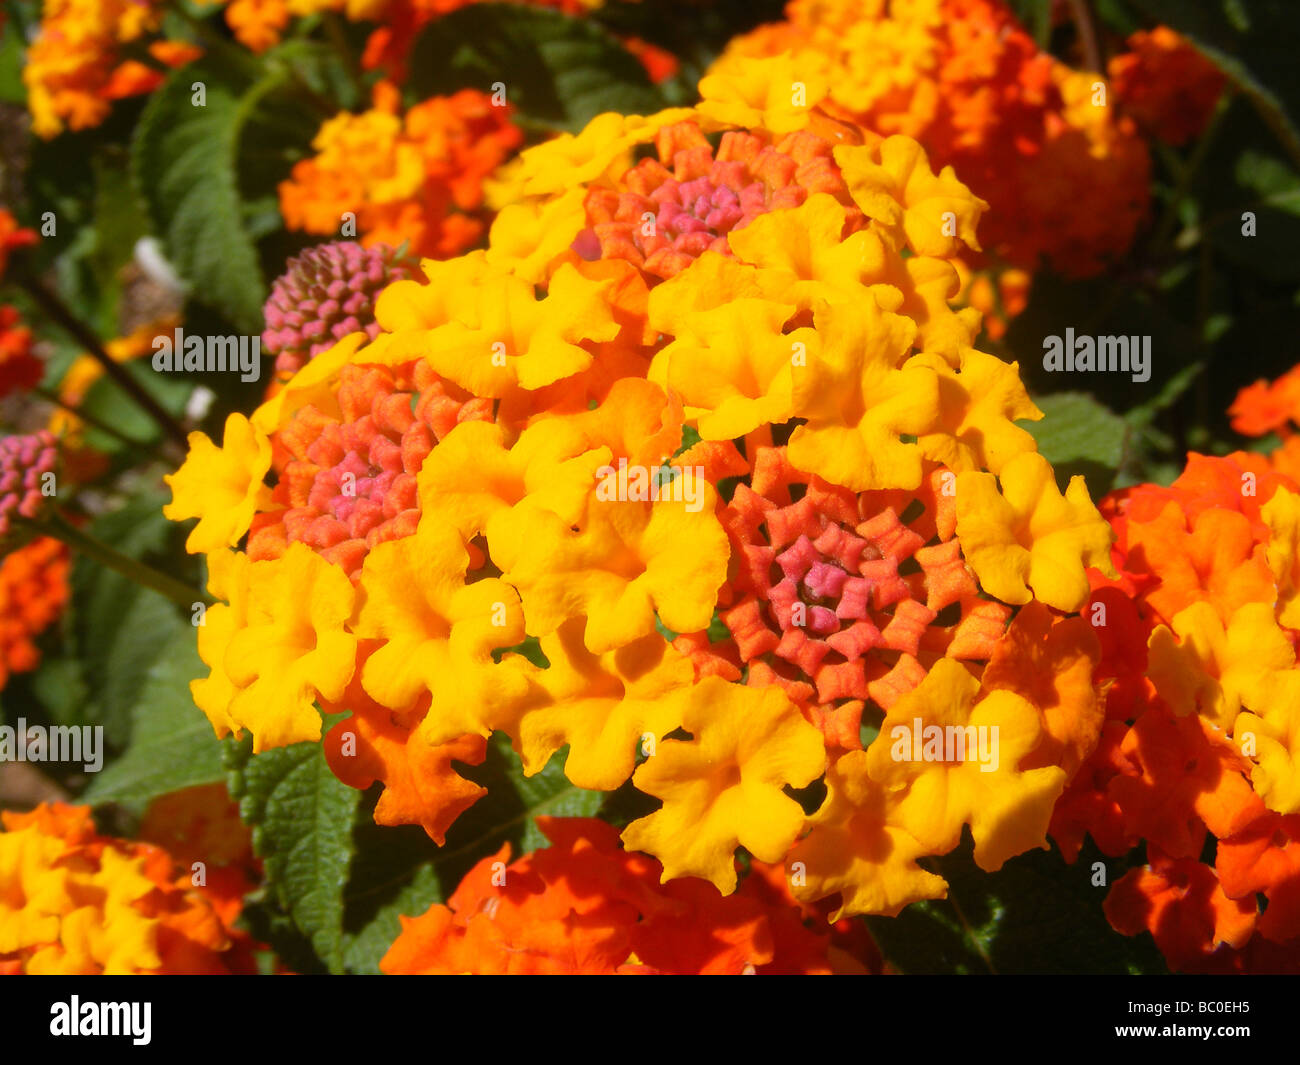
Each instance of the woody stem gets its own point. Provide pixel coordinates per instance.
(90, 419)
(53, 306)
(58, 527)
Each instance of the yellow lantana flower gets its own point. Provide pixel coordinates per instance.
(629, 560)
(227, 580)
(803, 257)
(1007, 808)
(734, 367)
(1276, 739)
(221, 486)
(293, 646)
(774, 94)
(1282, 513)
(858, 404)
(927, 286)
(471, 478)
(1029, 535)
(526, 238)
(856, 848)
(1211, 670)
(893, 184)
(501, 335)
(711, 282)
(602, 146)
(604, 707)
(438, 632)
(723, 789)
(978, 408)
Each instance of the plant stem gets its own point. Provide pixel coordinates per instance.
(1165, 228)
(52, 305)
(90, 419)
(55, 525)
(339, 41)
(1087, 31)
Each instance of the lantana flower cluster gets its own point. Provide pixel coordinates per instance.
(585, 905)
(1200, 750)
(1168, 87)
(413, 178)
(1066, 176)
(20, 368)
(77, 65)
(693, 472)
(75, 902)
(33, 592)
(259, 24)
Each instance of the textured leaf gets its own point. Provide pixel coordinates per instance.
(301, 816)
(557, 70)
(184, 161)
(321, 69)
(106, 402)
(1077, 435)
(172, 744)
(394, 873)
(1035, 915)
(120, 627)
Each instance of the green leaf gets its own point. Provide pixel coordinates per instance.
(106, 401)
(1035, 915)
(119, 222)
(1036, 15)
(12, 89)
(301, 816)
(1077, 435)
(119, 627)
(399, 871)
(184, 160)
(1270, 178)
(172, 744)
(394, 874)
(1144, 414)
(60, 686)
(558, 71)
(1274, 201)
(322, 70)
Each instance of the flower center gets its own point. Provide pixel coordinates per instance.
(671, 210)
(350, 481)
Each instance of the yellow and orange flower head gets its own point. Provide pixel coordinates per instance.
(414, 178)
(20, 369)
(260, 24)
(1166, 84)
(584, 905)
(75, 67)
(1065, 175)
(1199, 755)
(75, 902)
(693, 472)
(33, 591)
